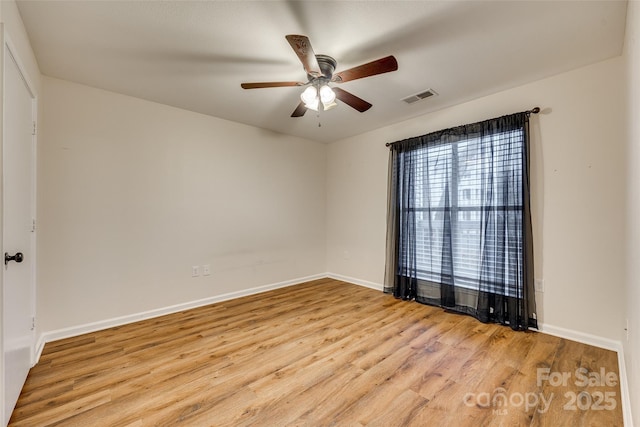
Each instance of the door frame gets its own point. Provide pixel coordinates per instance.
(10, 53)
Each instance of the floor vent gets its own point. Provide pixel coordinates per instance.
(418, 96)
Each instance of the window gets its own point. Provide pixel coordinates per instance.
(446, 177)
(459, 228)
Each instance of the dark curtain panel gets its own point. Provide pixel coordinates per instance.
(459, 223)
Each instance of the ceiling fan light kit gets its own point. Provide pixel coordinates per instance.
(320, 72)
(328, 97)
(310, 98)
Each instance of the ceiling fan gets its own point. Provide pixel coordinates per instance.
(320, 72)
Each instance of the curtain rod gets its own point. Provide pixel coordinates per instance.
(534, 110)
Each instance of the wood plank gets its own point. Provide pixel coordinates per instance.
(324, 352)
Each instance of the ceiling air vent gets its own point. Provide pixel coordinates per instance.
(418, 96)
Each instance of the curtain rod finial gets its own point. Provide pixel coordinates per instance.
(535, 110)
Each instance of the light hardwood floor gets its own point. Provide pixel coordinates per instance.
(322, 353)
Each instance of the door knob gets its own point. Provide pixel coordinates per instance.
(17, 257)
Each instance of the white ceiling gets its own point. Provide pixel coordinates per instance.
(194, 55)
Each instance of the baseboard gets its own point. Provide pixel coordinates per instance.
(624, 389)
(39, 347)
(582, 337)
(365, 283)
(73, 331)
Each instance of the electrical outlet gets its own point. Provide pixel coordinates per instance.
(206, 270)
(539, 285)
(195, 271)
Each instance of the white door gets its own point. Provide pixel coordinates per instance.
(18, 229)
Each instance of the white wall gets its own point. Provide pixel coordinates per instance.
(632, 294)
(10, 17)
(578, 178)
(133, 193)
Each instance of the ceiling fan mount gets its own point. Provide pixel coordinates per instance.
(320, 71)
(327, 66)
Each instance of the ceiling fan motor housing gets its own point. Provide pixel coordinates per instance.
(327, 66)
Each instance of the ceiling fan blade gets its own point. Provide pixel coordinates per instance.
(351, 100)
(299, 111)
(260, 85)
(380, 66)
(302, 47)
